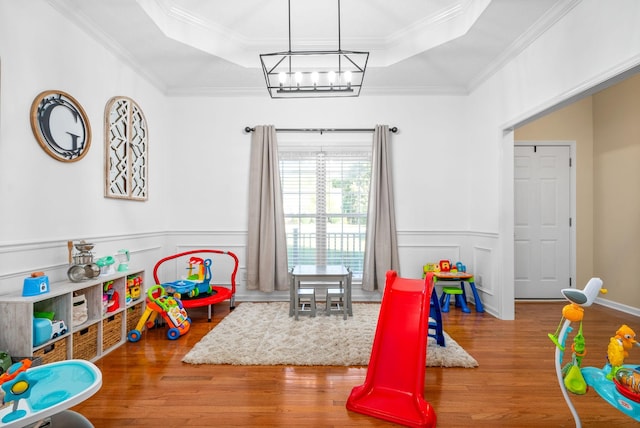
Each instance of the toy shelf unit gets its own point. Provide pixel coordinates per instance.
(74, 320)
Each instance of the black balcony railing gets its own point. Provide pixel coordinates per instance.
(341, 248)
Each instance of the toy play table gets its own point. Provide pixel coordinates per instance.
(320, 274)
(461, 277)
(55, 387)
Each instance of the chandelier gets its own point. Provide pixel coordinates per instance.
(314, 74)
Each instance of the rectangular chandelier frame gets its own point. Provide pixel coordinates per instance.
(337, 73)
(314, 74)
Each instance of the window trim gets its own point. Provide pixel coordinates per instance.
(288, 152)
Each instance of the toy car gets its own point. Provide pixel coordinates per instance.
(58, 328)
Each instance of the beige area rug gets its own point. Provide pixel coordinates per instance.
(264, 334)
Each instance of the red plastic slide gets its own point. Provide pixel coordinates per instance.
(394, 385)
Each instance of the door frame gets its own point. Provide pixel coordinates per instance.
(572, 201)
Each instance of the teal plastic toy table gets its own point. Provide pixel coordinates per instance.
(43, 391)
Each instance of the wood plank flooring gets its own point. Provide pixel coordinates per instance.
(145, 384)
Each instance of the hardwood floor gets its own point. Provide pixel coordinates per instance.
(145, 383)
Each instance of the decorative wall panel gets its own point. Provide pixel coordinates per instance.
(126, 150)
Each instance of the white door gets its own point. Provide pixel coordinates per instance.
(542, 217)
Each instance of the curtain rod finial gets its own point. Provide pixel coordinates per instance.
(248, 129)
(394, 129)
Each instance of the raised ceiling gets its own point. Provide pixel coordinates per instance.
(212, 47)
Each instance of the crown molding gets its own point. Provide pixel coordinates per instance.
(548, 20)
(119, 51)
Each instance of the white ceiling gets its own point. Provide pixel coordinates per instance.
(212, 47)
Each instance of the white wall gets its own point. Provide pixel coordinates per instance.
(212, 153)
(198, 157)
(593, 43)
(45, 202)
(211, 168)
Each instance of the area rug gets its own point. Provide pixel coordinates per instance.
(264, 334)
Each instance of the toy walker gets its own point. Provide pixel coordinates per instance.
(169, 308)
(617, 383)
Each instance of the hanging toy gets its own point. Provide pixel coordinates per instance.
(574, 311)
(573, 379)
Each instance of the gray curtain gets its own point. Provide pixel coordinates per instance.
(381, 251)
(266, 243)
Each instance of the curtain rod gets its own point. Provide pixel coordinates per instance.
(323, 130)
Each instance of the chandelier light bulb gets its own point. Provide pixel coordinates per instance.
(282, 77)
(314, 78)
(347, 78)
(332, 77)
(298, 78)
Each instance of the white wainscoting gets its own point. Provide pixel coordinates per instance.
(475, 249)
(19, 260)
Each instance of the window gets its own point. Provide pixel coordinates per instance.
(325, 197)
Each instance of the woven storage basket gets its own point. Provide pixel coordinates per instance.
(56, 351)
(85, 343)
(133, 316)
(111, 331)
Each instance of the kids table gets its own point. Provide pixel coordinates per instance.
(319, 274)
(460, 277)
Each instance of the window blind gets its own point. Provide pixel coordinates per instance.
(325, 197)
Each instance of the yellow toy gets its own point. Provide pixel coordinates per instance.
(619, 347)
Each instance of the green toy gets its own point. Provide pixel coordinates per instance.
(573, 379)
(5, 362)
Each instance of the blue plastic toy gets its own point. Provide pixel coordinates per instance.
(41, 391)
(198, 281)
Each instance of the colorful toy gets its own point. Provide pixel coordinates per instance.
(110, 297)
(169, 308)
(445, 265)
(5, 362)
(133, 286)
(198, 280)
(45, 329)
(219, 292)
(195, 269)
(38, 392)
(430, 267)
(106, 265)
(58, 328)
(619, 347)
(617, 385)
(123, 259)
(627, 382)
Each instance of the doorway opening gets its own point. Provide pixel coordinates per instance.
(544, 218)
